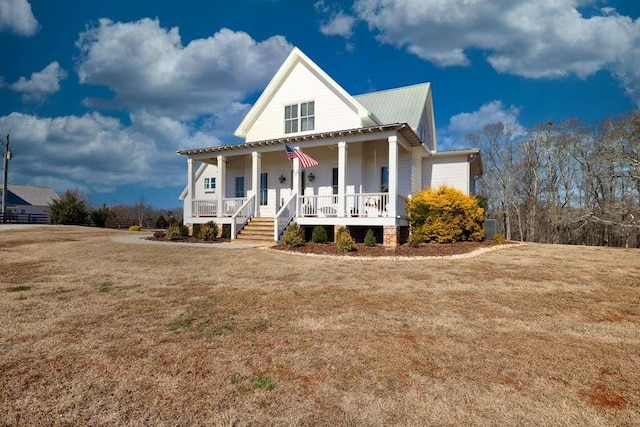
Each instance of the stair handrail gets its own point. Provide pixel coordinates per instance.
(242, 216)
(284, 216)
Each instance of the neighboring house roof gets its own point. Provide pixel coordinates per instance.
(295, 57)
(30, 195)
(400, 105)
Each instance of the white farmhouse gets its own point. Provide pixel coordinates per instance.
(373, 152)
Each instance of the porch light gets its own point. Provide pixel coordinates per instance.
(311, 177)
(282, 179)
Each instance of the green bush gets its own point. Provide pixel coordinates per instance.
(71, 208)
(344, 240)
(319, 234)
(294, 236)
(215, 229)
(208, 233)
(134, 228)
(161, 222)
(184, 230)
(226, 231)
(445, 215)
(174, 232)
(370, 238)
(100, 216)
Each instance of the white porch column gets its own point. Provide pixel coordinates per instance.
(342, 177)
(393, 175)
(191, 186)
(221, 184)
(256, 165)
(416, 169)
(295, 185)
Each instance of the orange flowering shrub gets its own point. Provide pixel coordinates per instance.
(445, 215)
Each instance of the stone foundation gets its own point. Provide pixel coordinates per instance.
(390, 235)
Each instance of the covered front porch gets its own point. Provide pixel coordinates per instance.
(363, 177)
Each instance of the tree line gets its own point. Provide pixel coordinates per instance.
(73, 208)
(570, 183)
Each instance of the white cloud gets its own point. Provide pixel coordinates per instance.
(41, 83)
(98, 153)
(148, 68)
(530, 38)
(455, 134)
(16, 16)
(339, 24)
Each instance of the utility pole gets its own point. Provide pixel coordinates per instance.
(6, 156)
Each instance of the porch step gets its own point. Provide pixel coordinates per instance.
(258, 228)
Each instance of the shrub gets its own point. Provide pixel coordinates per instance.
(370, 238)
(226, 231)
(208, 233)
(100, 216)
(174, 232)
(294, 236)
(499, 238)
(215, 230)
(71, 208)
(319, 234)
(184, 230)
(344, 240)
(161, 222)
(445, 215)
(134, 228)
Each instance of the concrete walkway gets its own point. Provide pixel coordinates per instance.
(142, 240)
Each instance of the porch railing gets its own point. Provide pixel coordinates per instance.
(242, 215)
(232, 205)
(366, 205)
(326, 205)
(204, 208)
(284, 216)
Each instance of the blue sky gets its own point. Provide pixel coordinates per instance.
(98, 96)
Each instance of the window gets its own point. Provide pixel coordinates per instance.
(264, 192)
(307, 119)
(384, 179)
(291, 118)
(334, 180)
(210, 183)
(304, 121)
(239, 186)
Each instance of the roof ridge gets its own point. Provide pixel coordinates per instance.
(393, 89)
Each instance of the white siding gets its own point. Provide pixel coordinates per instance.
(452, 171)
(301, 85)
(201, 193)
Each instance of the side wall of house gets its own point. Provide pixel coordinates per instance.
(301, 85)
(452, 171)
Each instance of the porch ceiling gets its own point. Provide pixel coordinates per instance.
(404, 129)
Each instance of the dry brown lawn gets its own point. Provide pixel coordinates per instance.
(95, 332)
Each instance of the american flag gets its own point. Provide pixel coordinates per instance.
(305, 161)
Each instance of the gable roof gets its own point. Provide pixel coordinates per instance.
(399, 105)
(297, 57)
(30, 195)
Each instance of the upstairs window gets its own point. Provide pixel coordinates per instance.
(210, 184)
(299, 117)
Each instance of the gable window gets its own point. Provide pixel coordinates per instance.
(307, 118)
(299, 117)
(210, 183)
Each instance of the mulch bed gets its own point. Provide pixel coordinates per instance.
(189, 239)
(430, 249)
